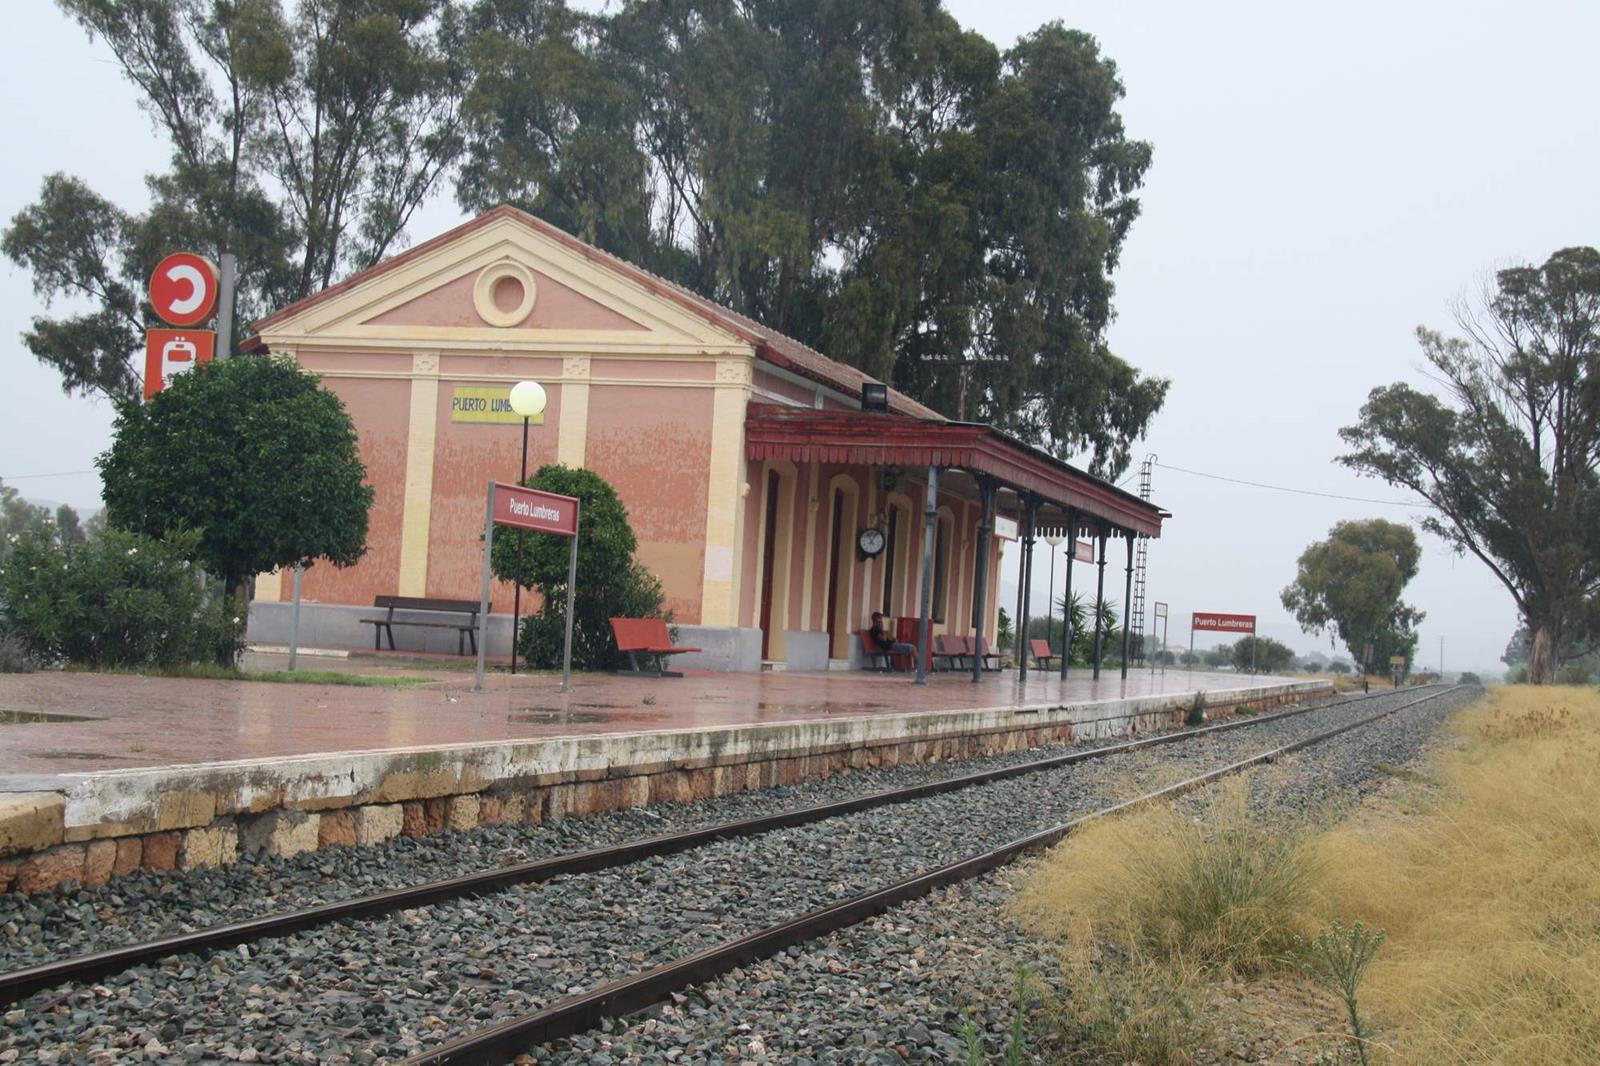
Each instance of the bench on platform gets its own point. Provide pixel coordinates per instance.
(877, 659)
(1042, 655)
(978, 648)
(466, 629)
(644, 637)
(952, 649)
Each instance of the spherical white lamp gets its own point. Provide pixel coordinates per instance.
(1054, 540)
(527, 398)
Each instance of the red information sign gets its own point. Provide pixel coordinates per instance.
(1224, 623)
(183, 289)
(170, 352)
(544, 512)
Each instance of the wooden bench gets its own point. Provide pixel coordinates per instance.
(1042, 655)
(466, 630)
(646, 636)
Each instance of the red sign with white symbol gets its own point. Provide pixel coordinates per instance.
(544, 512)
(1225, 623)
(183, 289)
(170, 352)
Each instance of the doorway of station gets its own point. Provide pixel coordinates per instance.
(769, 552)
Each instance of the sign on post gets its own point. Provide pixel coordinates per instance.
(1214, 622)
(1006, 527)
(1083, 551)
(183, 289)
(1211, 621)
(170, 352)
(538, 512)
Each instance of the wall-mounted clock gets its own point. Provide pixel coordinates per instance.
(871, 542)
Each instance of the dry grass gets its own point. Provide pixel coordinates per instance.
(1491, 898)
(1219, 893)
(1485, 874)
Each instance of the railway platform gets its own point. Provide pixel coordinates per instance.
(101, 774)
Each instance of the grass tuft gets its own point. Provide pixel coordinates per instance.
(1219, 893)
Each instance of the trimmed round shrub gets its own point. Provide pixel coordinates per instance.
(611, 584)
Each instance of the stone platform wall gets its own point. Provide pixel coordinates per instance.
(108, 824)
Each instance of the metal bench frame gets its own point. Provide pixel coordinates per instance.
(466, 633)
(645, 637)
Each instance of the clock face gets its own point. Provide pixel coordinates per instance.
(870, 541)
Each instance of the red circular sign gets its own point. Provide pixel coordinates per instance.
(183, 288)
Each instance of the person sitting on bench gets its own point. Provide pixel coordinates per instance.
(883, 642)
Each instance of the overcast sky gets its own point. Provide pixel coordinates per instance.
(1325, 179)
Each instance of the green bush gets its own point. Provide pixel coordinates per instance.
(122, 599)
(611, 584)
(1577, 674)
(1469, 678)
(1517, 675)
(1197, 711)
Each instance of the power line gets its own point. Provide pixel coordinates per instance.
(63, 473)
(1299, 492)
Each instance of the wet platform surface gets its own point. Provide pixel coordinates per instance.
(73, 723)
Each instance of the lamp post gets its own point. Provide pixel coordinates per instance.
(527, 400)
(1054, 540)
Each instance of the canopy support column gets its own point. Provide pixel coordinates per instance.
(1127, 599)
(1066, 596)
(981, 580)
(1100, 600)
(1019, 639)
(930, 519)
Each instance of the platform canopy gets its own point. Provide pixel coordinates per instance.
(891, 440)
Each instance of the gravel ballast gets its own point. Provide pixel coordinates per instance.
(900, 987)
(385, 988)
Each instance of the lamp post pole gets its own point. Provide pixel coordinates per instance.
(516, 595)
(527, 400)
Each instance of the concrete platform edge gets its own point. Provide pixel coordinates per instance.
(204, 814)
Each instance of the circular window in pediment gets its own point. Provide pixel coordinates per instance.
(504, 293)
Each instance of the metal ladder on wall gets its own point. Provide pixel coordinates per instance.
(1140, 558)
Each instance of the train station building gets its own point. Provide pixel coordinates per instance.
(780, 496)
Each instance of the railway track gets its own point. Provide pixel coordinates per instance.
(576, 1012)
(503, 1041)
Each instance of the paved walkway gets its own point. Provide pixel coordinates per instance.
(112, 721)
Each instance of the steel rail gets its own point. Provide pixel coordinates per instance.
(579, 1013)
(16, 985)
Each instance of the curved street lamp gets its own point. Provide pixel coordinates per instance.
(527, 400)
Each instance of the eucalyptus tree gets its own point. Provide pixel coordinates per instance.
(1506, 448)
(868, 177)
(1350, 585)
(301, 140)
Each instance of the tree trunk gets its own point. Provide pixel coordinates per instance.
(1542, 659)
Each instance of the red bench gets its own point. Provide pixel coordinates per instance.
(1042, 653)
(646, 636)
(952, 649)
(978, 648)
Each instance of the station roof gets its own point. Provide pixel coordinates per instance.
(831, 436)
(770, 346)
